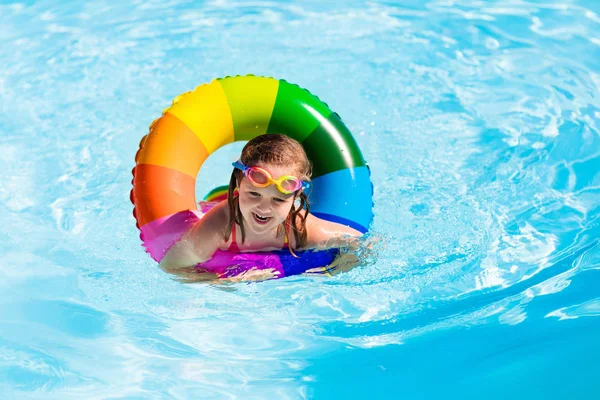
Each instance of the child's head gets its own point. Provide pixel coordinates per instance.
(264, 208)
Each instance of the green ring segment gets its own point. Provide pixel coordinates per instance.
(261, 105)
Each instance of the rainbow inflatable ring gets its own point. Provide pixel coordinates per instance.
(238, 109)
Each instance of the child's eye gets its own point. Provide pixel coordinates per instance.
(278, 200)
(254, 194)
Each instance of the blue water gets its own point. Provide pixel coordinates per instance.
(481, 124)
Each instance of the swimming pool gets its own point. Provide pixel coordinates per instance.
(480, 121)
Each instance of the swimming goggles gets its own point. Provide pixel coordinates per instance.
(261, 178)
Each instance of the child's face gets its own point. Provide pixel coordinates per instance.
(263, 209)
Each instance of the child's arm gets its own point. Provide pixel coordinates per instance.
(199, 243)
(322, 233)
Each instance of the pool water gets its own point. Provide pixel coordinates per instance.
(481, 124)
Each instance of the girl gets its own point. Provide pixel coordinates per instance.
(267, 209)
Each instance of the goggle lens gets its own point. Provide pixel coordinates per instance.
(257, 176)
(290, 185)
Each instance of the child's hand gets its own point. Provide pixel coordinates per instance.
(355, 251)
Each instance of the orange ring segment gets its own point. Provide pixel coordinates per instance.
(165, 191)
(186, 152)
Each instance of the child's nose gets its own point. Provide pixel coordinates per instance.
(264, 205)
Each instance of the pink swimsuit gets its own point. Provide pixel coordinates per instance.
(232, 262)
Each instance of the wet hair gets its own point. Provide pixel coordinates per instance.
(280, 151)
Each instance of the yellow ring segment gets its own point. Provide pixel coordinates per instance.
(251, 101)
(206, 112)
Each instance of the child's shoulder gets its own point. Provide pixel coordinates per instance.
(200, 242)
(216, 220)
(219, 210)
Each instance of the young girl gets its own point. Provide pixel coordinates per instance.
(267, 209)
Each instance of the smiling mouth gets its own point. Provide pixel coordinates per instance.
(260, 219)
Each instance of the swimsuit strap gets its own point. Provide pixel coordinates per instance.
(233, 247)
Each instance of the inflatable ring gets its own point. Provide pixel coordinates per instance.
(238, 109)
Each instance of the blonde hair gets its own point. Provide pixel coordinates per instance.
(277, 150)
